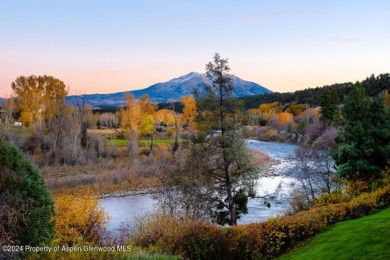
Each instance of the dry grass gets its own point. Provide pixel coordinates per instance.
(108, 174)
(103, 131)
(259, 158)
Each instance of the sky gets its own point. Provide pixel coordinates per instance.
(112, 46)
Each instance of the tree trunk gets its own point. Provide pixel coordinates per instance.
(84, 135)
(176, 144)
(232, 210)
(151, 142)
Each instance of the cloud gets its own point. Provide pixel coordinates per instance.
(344, 39)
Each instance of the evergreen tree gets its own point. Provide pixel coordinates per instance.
(363, 141)
(219, 156)
(380, 122)
(329, 102)
(26, 208)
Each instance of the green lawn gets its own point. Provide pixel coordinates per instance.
(364, 238)
(156, 141)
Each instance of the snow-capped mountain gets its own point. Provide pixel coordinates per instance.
(172, 90)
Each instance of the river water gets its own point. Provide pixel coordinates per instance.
(129, 208)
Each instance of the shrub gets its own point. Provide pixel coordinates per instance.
(160, 232)
(199, 240)
(332, 198)
(79, 219)
(298, 202)
(25, 203)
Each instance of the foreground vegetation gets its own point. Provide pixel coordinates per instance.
(164, 234)
(25, 203)
(199, 240)
(353, 239)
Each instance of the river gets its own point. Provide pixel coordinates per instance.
(129, 208)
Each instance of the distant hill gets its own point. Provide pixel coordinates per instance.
(312, 96)
(172, 90)
(2, 100)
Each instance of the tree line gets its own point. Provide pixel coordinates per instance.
(373, 85)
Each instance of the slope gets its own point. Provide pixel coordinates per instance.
(363, 238)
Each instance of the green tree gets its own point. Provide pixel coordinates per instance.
(380, 122)
(329, 106)
(26, 206)
(219, 157)
(364, 139)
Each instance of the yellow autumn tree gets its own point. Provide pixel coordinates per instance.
(253, 112)
(147, 106)
(40, 99)
(130, 118)
(147, 125)
(148, 122)
(296, 109)
(268, 109)
(165, 116)
(159, 116)
(189, 111)
(79, 219)
(137, 118)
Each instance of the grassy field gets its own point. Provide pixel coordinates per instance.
(111, 137)
(364, 238)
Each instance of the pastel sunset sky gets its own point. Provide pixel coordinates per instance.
(111, 46)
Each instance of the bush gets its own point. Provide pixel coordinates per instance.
(199, 240)
(79, 219)
(25, 203)
(158, 232)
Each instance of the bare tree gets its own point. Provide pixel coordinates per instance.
(314, 169)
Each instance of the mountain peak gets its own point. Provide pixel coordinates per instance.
(173, 89)
(187, 77)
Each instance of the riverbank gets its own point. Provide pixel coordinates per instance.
(134, 192)
(273, 161)
(259, 158)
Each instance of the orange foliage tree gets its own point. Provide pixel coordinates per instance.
(189, 111)
(285, 118)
